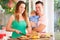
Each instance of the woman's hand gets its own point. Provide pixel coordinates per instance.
(17, 31)
(28, 35)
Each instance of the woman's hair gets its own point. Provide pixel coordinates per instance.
(24, 14)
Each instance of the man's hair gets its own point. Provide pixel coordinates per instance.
(39, 2)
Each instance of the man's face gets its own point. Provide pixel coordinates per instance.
(39, 7)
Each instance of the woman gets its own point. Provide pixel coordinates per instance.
(19, 22)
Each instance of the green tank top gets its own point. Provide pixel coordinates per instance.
(21, 26)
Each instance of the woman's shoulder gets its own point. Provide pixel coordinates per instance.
(12, 17)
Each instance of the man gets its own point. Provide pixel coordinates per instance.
(42, 21)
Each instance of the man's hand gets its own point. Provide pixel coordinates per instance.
(33, 24)
(40, 28)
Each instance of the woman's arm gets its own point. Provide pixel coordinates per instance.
(8, 26)
(29, 29)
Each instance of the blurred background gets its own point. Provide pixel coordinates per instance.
(57, 19)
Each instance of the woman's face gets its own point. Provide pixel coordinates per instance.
(21, 8)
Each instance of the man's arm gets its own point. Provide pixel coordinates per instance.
(41, 24)
(40, 28)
